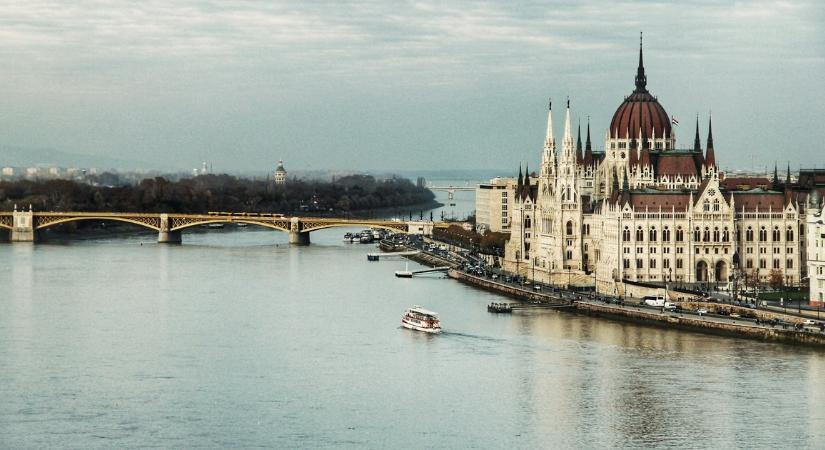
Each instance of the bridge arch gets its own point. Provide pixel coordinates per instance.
(398, 227)
(182, 225)
(46, 222)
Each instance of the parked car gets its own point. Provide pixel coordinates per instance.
(809, 322)
(701, 311)
(536, 287)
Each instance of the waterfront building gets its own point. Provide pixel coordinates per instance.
(493, 200)
(280, 173)
(644, 209)
(7, 172)
(816, 247)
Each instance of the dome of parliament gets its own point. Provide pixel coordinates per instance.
(640, 111)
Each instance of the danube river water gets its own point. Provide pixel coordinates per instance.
(235, 339)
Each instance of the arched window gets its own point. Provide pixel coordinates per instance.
(763, 234)
(716, 205)
(706, 235)
(626, 234)
(749, 234)
(680, 234)
(640, 235)
(569, 227)
(527, 222)
(789, 234)
(706, 205)
(697, 235)
(777, 236)
(666, 234)
(652, 235)
(725, 235)
(715, 234)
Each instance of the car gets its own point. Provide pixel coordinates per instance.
(734, 316)
(809, 322)
(536, 287)
(669, 307)
(701, 311)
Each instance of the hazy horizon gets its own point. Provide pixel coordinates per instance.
(414, 86)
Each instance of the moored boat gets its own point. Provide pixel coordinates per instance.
(420, 319)
(499, 308)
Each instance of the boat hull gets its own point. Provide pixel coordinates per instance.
(415, 327)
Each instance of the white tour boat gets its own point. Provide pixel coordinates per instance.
(420, 319)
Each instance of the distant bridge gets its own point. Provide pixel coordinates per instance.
(451, 188)
(24, 224)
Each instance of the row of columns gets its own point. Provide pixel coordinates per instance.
(23, 230)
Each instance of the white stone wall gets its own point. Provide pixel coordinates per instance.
(816, 254)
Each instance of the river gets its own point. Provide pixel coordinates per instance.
(235, 339)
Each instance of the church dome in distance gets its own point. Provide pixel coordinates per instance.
(640, 110)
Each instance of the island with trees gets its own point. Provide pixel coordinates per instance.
(347, 195)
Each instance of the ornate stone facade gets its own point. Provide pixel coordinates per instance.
(645, 210)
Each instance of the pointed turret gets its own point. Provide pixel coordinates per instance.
(641, 78)
(567, 141)
(788, 176)
(697, 143)
(588, 148)
(710, 157)
(520, 179)
(548, 159)
(549, 136)
(579, 153)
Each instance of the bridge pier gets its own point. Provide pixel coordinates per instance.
(169, 237)
(23, 226)
(299, 237)
(165, 235)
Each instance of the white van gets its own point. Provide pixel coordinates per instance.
(654, 300)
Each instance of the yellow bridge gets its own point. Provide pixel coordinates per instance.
(23, 225)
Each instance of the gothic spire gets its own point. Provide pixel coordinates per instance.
(579, 138)
(788, 177)
(697, 143)
(587, 145)
(579, 154)
(520, 179)
(710, 156)
(641, 78)
(549, 136)
(567, 141)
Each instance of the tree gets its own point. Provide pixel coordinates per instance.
(776, 278)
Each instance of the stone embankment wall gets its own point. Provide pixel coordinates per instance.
(675, 320)
(743, 329)
(506, 289)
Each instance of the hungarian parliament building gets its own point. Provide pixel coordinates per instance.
(646, 210)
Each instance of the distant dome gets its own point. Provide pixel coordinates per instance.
(640, 110)
(280, 167)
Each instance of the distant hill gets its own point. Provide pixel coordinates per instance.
(14, 156)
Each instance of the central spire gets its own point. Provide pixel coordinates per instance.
(641, 78)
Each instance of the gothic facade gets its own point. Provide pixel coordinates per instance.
(644, 209)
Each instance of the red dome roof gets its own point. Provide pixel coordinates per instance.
(640, 111)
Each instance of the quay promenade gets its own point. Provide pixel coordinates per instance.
(685, 319)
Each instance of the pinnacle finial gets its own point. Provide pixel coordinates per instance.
(641, 78)
(550, 104)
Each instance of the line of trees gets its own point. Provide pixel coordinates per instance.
(216, 193)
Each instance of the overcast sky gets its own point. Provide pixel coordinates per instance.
(410, 85)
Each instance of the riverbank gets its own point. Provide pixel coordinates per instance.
(723, 326)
